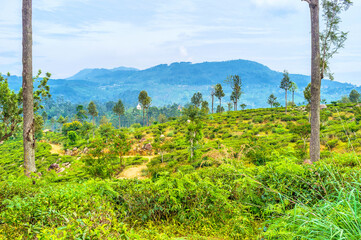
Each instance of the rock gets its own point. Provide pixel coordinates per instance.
(66, 165)
(162, 136)
(75, 149)
(148, 147)
(307, 161)
(53, 166)
(68, 152)
(323, 106)
(39, 174)
(143, 139)
(85, 150)
(60, 170)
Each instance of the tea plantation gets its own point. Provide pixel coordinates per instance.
(248, 178)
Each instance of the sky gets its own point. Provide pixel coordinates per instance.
(70, 35)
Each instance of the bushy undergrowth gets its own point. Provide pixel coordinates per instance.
(248, 181)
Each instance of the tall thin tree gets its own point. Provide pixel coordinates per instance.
(28, 97)
(212, 95)
(118, 109)
(219, 94)
(236, 84)
(285, 85)
(332, 39)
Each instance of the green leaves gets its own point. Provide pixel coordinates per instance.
(10, 110)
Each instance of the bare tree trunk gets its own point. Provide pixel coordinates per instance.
(236, 104)
(28, 97)
(212, 102)
(147, 117)
(315, 82)
(286, 100)
(143, 118)
(119, 122)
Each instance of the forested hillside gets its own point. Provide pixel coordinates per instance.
(176, 83)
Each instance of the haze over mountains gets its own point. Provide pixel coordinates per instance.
(176, 83)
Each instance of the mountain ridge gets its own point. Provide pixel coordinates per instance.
(176, 83)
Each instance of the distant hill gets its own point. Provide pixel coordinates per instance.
(176, 83)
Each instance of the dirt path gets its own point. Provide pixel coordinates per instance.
(56, 149)
(135, 172)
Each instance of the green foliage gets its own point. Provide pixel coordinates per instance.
(354, 96)
(10, 110)
(197, 99)
(92, 110)
(73, 126)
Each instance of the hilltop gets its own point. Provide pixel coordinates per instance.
(181, 80)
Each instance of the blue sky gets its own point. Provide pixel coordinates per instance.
(70, 35)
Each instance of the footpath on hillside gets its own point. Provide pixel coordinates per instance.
(134, 172)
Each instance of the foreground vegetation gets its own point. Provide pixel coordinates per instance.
(248, 179)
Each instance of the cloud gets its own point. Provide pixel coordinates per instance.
(53, 5)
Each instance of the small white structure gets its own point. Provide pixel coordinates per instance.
(323, 106)
(139, 107)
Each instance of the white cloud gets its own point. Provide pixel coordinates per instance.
(53, 5)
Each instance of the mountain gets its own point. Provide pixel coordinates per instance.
(176, 83)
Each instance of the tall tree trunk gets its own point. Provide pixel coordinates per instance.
(147, 117)
(220, 105)
(315, 82)
(236, 103)
(286, 101)
(212, 102)
(28, 97)
(119, 122)
(143, 118)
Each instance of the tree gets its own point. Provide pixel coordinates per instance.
(80, 113)
(145, 101)
(219, 93)
(53, 121)
(332, 39)
(104, 120)
(236, 85)
(10, 110)
(285, 84)
(92, 110)
(243, 106)
(272, 99)
(205, 107)
(293, 89)
(27, 88)
(354, 96)
(61, 120)
(197, 99)
(307, 94)
(118, 109)
(44, 115)
(219, 109)
(194, 135)
(212, 95)
(162, 118)
(229, 104)
(303, 131)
